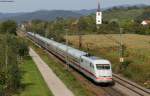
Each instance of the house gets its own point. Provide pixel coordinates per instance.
(145, 22)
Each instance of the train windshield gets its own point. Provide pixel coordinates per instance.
(103, 66)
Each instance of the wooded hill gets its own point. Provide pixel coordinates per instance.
(120, 13)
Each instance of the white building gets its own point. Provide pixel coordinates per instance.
(98, 15)
(145, 22)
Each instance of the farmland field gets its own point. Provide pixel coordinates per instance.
(131, 40)
(136, 53)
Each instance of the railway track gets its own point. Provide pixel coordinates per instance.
(132, 88)
(129, 88)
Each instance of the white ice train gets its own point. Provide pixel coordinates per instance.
(97, 69)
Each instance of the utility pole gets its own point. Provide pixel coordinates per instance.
(121, 47)
(80, 40)
(46, 36)
(6, 54)
(67, 62)
(6, 64)
(46, 33)
(78, 33)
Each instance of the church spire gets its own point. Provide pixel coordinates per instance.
(98, 9)
(98, 15)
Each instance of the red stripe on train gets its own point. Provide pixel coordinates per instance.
(104, 78)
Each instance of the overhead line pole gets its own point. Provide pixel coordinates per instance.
(121, 47)
(67, 62)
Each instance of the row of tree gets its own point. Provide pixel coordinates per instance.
(84, 25)
(12, 49)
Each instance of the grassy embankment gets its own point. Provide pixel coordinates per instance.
(32, 82)
(70, 80)
(137, 54)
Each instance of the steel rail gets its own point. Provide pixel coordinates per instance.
(131, 86)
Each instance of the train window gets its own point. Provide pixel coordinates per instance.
(103, 67)
(107, 67)
(91, 65)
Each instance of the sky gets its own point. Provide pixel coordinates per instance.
(33, 5)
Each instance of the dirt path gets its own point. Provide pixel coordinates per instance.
(54, 83)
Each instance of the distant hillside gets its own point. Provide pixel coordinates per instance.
(124, 13)
(86, 12)
(6, 15)
(145, 15)
(120, 13)
(42, 15)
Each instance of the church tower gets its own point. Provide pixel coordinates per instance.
(98, 15)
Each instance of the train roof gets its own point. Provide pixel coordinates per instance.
(72, 51)
(96, 60)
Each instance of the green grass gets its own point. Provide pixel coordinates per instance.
(32, 82)
(77, 87)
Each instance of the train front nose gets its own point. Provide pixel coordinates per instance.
(104, 76)
(104, 73)
(104, 80)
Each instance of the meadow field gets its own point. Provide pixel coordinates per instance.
(136, 53)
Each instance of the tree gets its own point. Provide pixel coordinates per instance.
(82, 24)
(8, 27)
(10, 76)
